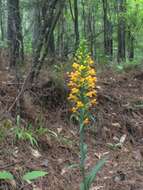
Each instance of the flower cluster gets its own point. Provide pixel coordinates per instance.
(82, 82)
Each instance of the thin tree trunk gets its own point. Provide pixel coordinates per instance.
(84, 17)
(121, 31)
(1, 20)
(90, 30)
(94, 32)
(51, 49)
(108, 41)
(15, 34)
(37, 23)
(76, 23)
(130, 45)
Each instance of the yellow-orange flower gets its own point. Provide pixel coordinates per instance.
(72, 97)
(74, 109)
(93, 102)
(82, 67)
(80, 104)
(92, 72)
(91, 93)
(82, 82)
(74, 90)
(75, 65)
(71, 84)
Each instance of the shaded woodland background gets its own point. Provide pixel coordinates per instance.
(41, 29)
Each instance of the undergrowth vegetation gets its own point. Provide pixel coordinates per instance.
(129, 65)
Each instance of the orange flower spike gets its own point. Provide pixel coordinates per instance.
(82, 81)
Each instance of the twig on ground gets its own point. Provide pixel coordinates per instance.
(9, 165)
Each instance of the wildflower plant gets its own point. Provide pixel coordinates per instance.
(82, 85)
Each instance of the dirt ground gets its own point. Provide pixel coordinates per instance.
(119, 115)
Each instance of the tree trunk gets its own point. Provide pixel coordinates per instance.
(130, 45)
(76, 23)
(52, 13)
(37, 23)
(1, 20)
(108, 41)
(51, 50)
(84, 18)
(15, 38)
(90, 29)
(121, 31)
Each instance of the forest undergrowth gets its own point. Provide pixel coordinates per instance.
(117, 134)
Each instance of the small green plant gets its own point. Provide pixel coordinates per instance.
(82, 86)
(22, 133)
(40, 129)
(128, 65)
(29, 176)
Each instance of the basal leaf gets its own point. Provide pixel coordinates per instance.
(92, 175)
(34, 175)
(6, 175)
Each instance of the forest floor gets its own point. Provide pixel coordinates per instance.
(119, 115)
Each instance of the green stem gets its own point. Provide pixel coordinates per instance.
(82, 154)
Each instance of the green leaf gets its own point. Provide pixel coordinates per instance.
(32, 140)
(92, 175)
(93, 118)
(34, 175)
(74, 117)
(111, 146)
(6, 175)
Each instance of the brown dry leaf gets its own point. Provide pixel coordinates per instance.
(97, 188)
(98, 155)
(13, 183)
(45, 163)
(73, 133)
(35, 153)
(105, 153)
(123, 138)
(64, 170)
(137, 155)
(98, 87)
(60, 160)
(116, 139)
(59, 130)
(36, 188)
(116, 125)
(15, 152)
